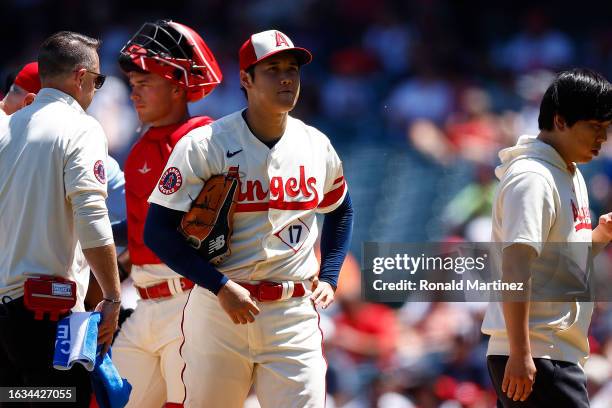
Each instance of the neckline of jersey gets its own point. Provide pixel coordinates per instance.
(157, 133)
(258, 140)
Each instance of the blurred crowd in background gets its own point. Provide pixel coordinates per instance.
(417, 97)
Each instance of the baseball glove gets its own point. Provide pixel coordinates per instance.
(207, 226)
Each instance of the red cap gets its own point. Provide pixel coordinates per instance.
(28, 79)
(267, 43)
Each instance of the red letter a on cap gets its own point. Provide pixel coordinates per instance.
(280, 40)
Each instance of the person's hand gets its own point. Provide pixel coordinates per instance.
(605, 225)
(322, 293)
(519, 377)
(237, 303)
(109, 323)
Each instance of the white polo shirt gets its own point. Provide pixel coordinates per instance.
(281, 190)
(50, 153)
(539, 200)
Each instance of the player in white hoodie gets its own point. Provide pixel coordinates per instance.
(541, 199)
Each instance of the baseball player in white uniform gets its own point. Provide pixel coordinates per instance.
(168, 65)
(288, 172)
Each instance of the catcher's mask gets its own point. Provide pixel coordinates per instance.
(175, 52)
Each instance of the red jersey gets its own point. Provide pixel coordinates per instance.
(143, 168)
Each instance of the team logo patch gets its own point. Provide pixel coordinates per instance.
(99, 171)
(170, 181)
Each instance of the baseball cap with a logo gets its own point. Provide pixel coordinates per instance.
(267, 43)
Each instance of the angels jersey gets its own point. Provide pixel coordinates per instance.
(281, 190)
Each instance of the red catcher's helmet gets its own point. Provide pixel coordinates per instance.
(175, 52)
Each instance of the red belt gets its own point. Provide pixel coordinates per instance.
(162, 290)
(269, 291)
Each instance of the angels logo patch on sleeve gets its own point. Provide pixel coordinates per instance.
(170, 181)
(99, 171)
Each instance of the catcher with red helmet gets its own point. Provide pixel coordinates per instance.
(174, 52)
(168, 65)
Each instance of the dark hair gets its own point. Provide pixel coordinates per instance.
(64, 52)
(579, 94)
(251, 71)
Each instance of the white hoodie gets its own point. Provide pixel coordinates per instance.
(540, 200)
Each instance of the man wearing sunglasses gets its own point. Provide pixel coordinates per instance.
(98, 79)
(53, 155)
(27, 84)
(168, 65)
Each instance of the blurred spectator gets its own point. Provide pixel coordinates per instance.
(531, 87)
(348, 97)
(363, 343)
(599, 49)
(364, 338)
(266, 12)
(224, 99)
(366, 331)
(473, 200)
(536, 46)
(348, 93)
(478, 229)
(390, 39)
(459, 394)
(473, 130)
(428, 139)
(387, 392)
(426, 95)
(598, 370)
(463, 361)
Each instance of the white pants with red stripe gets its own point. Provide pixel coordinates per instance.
(280, 353)
(146, 352)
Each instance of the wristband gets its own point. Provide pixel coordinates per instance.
(112, 300)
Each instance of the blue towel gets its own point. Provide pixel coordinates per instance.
(111, 390)
(76, 342)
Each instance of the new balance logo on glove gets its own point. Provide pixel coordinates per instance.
(216, 244)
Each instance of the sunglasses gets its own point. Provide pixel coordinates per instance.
(98, 80)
